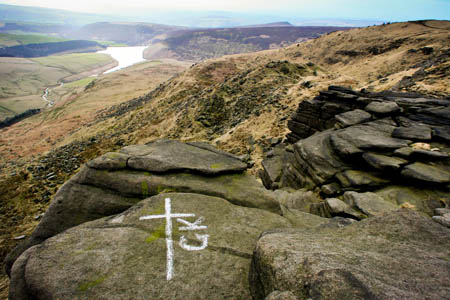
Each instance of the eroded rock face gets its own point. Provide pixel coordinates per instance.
(401, 255)
(368, 142)
(125, 256)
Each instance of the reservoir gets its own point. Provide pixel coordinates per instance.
(126, 56)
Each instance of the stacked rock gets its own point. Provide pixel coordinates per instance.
(395, 145)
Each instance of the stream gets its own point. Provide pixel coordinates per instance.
(44, 97)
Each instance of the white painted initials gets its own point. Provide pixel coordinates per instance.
(192, 226)
(203, 238)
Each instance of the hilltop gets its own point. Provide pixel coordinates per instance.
(240, 103)
(201, 44)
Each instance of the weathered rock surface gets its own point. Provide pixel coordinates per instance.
(443, 220)
(360, 180)
(317, 160)
(167, 155)
(382, 162)
(277, 295)
(273, 167)
(425, 200)
(340, 208)
(369, 203)
(415, 132)
(383, 107)
(427, 173)
(353, 117)
(124, 257)
(401, 255)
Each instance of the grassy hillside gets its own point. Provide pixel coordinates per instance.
(7, 40)
(22, 81)
(208, 43)
(53, 48)
(239, 103)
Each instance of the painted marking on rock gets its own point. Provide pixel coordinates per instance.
(168, 215)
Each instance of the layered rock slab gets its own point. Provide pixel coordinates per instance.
(170, 155)
(114, 182)
(125, 257)
(400, 255)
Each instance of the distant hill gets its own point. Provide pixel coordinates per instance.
(128, 33)
(40, 28)
(46, 49)
(7, 40)
(200, 44)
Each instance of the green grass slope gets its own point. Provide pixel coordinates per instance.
(21, 78)
(8, 40)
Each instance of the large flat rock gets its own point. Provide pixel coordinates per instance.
(401, 255)
(353, 117)
(240, 189)
(383, 108)
(126, 257)
(383, 162)
(372, 136)
(427, 173)
(170, 155)
(112, 183)
(369, 203)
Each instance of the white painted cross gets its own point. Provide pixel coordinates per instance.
(183, 241)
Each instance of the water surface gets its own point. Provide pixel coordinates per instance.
(126, 56)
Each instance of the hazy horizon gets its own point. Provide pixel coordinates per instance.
(295, 11)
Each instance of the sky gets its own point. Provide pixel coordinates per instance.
(389, 10)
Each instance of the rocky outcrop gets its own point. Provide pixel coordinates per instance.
(173, 220)
(320, 113)
(401, 255)
(345, 141)
(115, 182)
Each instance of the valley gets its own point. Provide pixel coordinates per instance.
(24, 80)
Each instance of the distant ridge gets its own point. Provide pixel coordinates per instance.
(275, 24)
